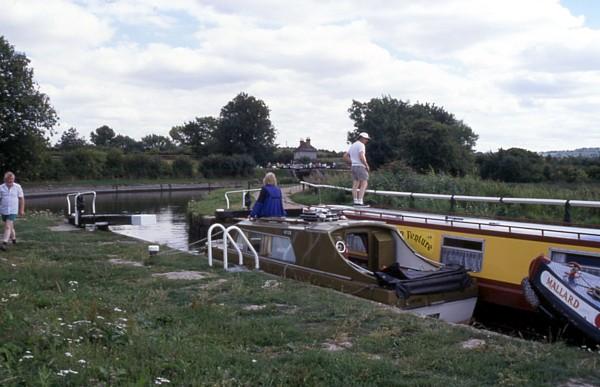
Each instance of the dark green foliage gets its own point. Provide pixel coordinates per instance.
(223, 165)
(183, 166)
(52, 168)
(84, 163)
(70, 139)
(512, 165)
(439, 147)
(283, 155)
(245, 128)
(142, 165)
(424, 135)
(114, 166)
(26, 116)
(157, 143)
(197, 135)
(102, 136)
(126, 144)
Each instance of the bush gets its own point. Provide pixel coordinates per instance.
(113, 167)
(142, 165)
(183, 166)
(84, 163)
(52, 168)
(219, 165)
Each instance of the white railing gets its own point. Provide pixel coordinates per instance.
(243, 191)
(76, 196)
(226, 239)
(464, 198)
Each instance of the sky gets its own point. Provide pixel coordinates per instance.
(520, 73)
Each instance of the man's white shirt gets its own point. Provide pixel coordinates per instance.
(354, 152)
(9, 199)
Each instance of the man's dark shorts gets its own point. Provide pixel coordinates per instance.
(12, 217)
(360, 173)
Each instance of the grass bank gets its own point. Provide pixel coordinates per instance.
(407, 181)
(68, 316)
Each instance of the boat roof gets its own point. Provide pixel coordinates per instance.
(479, 224)
(300, 224)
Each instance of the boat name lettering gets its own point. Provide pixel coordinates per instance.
(562, 292)
(421, 240)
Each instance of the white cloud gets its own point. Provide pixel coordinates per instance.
(520, 73)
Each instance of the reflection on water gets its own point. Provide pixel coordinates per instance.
(171, 227)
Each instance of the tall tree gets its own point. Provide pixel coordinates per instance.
(425, 136)
(102, 136)
(245, 128)
(126, 144)
(197, 135)
(26, 116)
(157, 143)
(70, 139)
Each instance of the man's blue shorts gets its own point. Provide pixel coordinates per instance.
(12, 217)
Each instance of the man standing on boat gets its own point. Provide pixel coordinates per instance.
(357, 156)
(12, 203)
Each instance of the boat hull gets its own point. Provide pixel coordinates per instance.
(566, 296)
(456, 307)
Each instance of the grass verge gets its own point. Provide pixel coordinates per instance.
(70, 317)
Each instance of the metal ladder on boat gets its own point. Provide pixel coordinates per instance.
(226, 239)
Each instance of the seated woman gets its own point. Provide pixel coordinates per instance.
(270, 200)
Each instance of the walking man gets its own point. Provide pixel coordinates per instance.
(12, 202)
(357, 156)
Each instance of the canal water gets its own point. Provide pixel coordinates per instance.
(171, 227)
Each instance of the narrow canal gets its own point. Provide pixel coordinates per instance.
(170, 229)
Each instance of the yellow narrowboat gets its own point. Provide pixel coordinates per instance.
(496, 252)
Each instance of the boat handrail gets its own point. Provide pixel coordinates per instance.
(455, 221)
(76, 195)
(243, 191)
(227, 237)
(567, 203)
(248, 244)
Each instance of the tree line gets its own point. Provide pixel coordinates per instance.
(421, 137)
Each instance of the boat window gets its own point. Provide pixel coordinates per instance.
(357, 242)
(463, 251)
(589, 262)
(281, 248)
(255, 240)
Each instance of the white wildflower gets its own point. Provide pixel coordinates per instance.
(3, 299)
(66, 372)
(81, 361)
(14, 295)
(117, 309)
(68, 354)
(160, 380)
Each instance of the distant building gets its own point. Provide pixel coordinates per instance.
(305, 150)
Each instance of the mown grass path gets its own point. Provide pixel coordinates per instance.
(68, 316)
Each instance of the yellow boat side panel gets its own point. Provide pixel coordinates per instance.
(505, 259)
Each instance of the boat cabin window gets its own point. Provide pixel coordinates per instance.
(357, 242)
(589, 262)
(281, 248)
(462, 251)
(271, 246)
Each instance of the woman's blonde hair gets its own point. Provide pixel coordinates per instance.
(270, 178)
